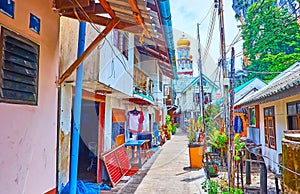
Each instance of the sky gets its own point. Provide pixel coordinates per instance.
(186, 15)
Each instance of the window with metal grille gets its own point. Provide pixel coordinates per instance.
(19, 69)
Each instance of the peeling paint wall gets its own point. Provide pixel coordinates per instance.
(68, 49)
(64, 135)
(28, 133)
(107, 124)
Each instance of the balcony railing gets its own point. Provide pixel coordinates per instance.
(143, 84)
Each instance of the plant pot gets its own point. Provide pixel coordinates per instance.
(168, 136)
(213, 169)
(196, 154)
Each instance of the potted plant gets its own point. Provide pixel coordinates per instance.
(162, 130)
(169, 127)
(195, 147)
(218, 139)
(174, 128)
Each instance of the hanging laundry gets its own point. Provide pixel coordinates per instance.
(141, 120)
(238, 124)
(133, 121)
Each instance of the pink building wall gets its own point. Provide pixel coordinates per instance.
(29, 133)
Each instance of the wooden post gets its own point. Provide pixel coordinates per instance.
(206, 166)
(263, 178)
(276, 184)
(241, 166)
(231, 108)
(238, 173)
(248, 168)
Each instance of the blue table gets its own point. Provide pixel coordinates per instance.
(138, 143)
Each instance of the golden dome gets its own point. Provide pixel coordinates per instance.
(183, 41)
(191, 56)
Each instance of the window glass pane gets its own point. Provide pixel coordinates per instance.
(270, 122)
(298, 107)
(35, 23)
(292, 109)
(292, 123)
(271, 132)
(271, 112)
(266, 112)
(8, 7)
(252, 117)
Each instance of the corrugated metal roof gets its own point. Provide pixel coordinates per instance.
(181, 83)
(282, 84)
(150, 20)
(196, 79)
(237, 89)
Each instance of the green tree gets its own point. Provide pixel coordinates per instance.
(271, 39)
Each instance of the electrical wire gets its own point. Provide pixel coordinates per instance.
(235, 40)
(207, 13)
(209, 35)
(77, 4)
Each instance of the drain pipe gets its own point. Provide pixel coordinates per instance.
(77, 112)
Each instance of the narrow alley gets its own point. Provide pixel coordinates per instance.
(146, 96)
(167, 171)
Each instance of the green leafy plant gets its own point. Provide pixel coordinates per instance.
(213, 187)
(218, 139)
(271, 39)
(238, 145)
(168, 123)
(174, 127)
(192, 130)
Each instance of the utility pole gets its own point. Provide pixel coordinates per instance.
(231, 144)
(201, 91)
(226, 84)
(201, 94)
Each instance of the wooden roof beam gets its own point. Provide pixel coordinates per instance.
(94, 8)
(88, 50)
(103, 21)
(108, 9)
(138, 17)
(65, 4)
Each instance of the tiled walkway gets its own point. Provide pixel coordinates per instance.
(170, 172)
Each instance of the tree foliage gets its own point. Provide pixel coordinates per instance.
(271, 39)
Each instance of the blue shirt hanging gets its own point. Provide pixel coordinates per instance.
(238, 124)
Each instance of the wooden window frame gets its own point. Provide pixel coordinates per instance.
(252, 116)
(270, 130)
(19, 73)
(256, 115)
(297, 114)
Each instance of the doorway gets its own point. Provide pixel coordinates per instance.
(88, 144)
